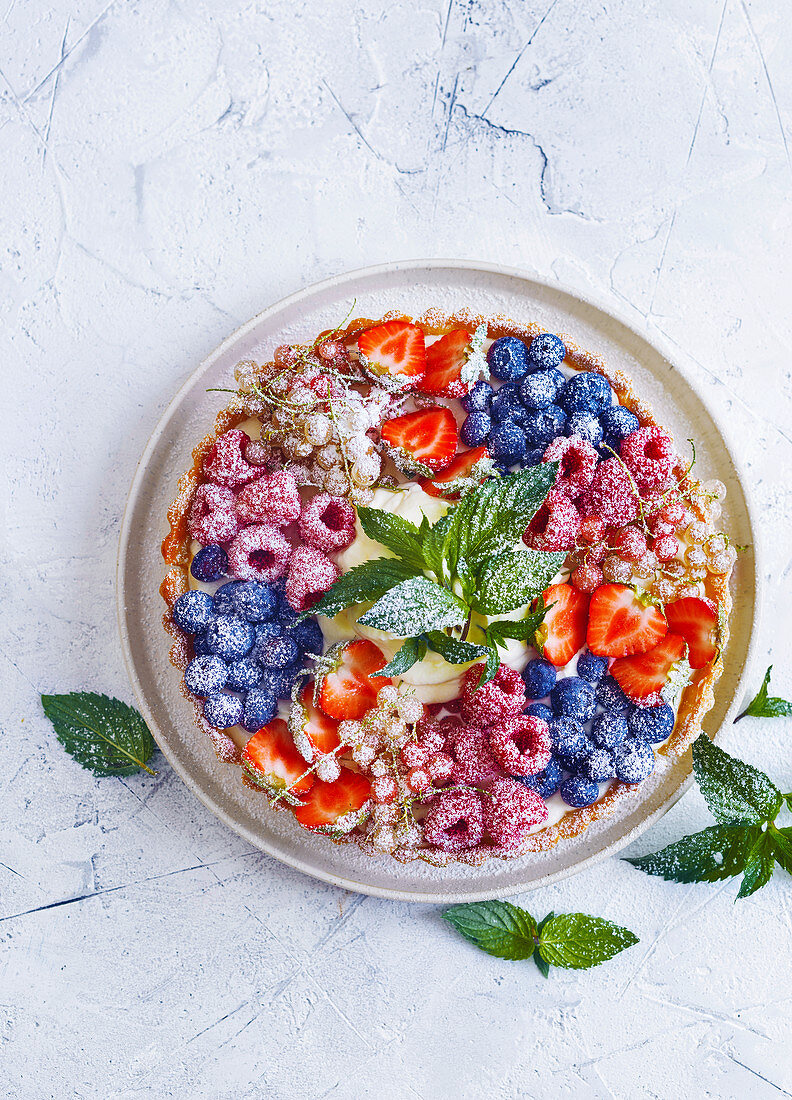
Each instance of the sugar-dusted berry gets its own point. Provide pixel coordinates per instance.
(209, 564)
(328, 523)
(229, 637)
(578, 791)
(455, 821)
(503, 697)
(310, 575)
(473, 758)
(274, 498)
(577, 461)
(547, 782)
(259, 709)
(212, 518)
(651, 723)
(590, 667)
(225, 461)
(521, 745)
(634, 760)
(193, 611)
(555, 525)
(384, 788)
(259, 553)
(206, 675)
(222, 710)
(612, 496)
(573, 697)
(510, 811)
(539, 677)
(649, 455)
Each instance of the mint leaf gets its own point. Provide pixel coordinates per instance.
(414, 649)
(397, 534)
(577, 941)
(522, 630)
(543, 964)
(414, 606)
(736, 793)
(104, 735)
(782, 847)
(497, 927)
(765, 705)
(455, 651)
(515, 578)
(365, 582)
(719, 852)
(758, 866)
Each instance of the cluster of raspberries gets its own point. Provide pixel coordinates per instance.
(246, 510)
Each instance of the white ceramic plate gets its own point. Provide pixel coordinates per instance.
(412, 287)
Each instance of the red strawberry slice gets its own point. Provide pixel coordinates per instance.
(462, 466)
(621, 623)
(327, 802)
(272, 760)
(313, 730)
(422, 441)
(696, 619)
(350, 686)
(444, 361)
(395, 353)
(563, 629)
(645, 673)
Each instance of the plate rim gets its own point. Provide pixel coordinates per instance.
(602, 304)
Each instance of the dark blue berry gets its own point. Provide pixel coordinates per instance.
(570, 743)
(540, 389)
(617, 423)
(506, 404)
(586, 392)
(547, 782)
(255, 601)
(206, 675)
(287, 616)
(200, 646)
(260, 708)
(543, 425)
(608, 730)
(223, 711)
(547, 350)
(475, 429)
(193, 611)
(579, 792)
(611, 697)
(223, 599)
(587, 426)
(479, 398)
(229, 637)
(209, 564)
(534, 456)
(540, 710)
(508, 359)
(634, 761)
(263, 633)
(278, 652)
(599, 766)
(278, 681)
(506, 444)
(651, 723)
(573, 698)
(502, 469)
(539, 677)
(243, 674)
(308, 636)
(591, 667)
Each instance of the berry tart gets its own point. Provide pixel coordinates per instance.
(443, 587)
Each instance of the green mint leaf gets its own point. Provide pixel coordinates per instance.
(522, 630)
(719, 852)
(397, 534)
(514, 579)
(577, 941)
(758, 866)
(413, 607)
(436, 544)
(736, 792)
(453, 650)
(490, 668)
(104, 735)
(413, 650)
(782, 846)
(543, 964)
(766, 705)
(497, 927)
(365, 582)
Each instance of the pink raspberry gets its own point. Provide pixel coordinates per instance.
(440, 766)
(577, 461)
(587, 576)
(503, 697)
(225, 462)
(649, 455)
(311, 573)
(510, 811)
(259, 553)
(455, 821)
(630, 543)
(612, 496)
(212, 517)
(273, 499)
(521, 746)
(473, 761)
(328, 523)
(434, 735)
(555, 526)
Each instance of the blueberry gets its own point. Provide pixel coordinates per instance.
(210, 563)
(540, 710)
(278, 682)
(579, 792)
(573, 698)
(287, 616)
(587, 426)
(263, 632)
(651, 723)
(634, 761)
(308, 636)
(534, 456)
(479, 398)
(508, 359)
(570, 743)
(229, 637)
(616, 423)
(260, 708)
(206, 675)
(608, 730)
(539, 677)
(243, 674)
(611, 697)
(193, 611)
(223, 711)
(278, 652)
(255, 601)
(502, 468)
(546, 351)
(599, 766)
(591, 667)
(223, 599)
(543, 425)
(475, 429)
(506, 404)
(200, 646)
(506, 444)
(547, 782)
(540, 389)
(586, 392)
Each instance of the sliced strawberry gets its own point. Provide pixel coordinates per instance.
(394, 353)
(349, 686)
(272, 760)
(444, 361)
(468, 468)
(621, 623)
(313, 730)
(563, 629)
(327, 802)
(696, 619)
(422, 441)
(645, 673)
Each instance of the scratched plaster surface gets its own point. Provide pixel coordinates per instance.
(167, 170)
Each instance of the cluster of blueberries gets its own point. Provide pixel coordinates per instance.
(537, 402)
(249, 649)
(597, 732)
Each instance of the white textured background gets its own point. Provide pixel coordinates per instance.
(167, 170)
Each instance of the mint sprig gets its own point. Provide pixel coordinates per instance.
(572, 941)
(765, 705)
(106, 736)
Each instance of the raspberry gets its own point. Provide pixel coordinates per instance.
(212, 518)
(259, 553)
(414, 754)
(577, 461)
(503, 697)
(328, 523)
(272, 499)
(384, 788)
(630, 542)
(510, 811)
(225, 462)
(311, 573)
(555, 526)
(440, 767)
(455, 821)
(473, 761)
(587, 576)
(649, 455)
(592, 529)
(612, 495)
(434, 735)
(521, 746)
(666, 548)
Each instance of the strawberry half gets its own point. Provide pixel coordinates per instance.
(422, 441)
(696, 619)
(468, 466)
(563, 629)
(393, 353)
(444, 361)
(349, 687)
(645, 673)
(327, 802)
(620, 623)
(313, 730)
(271, 759)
